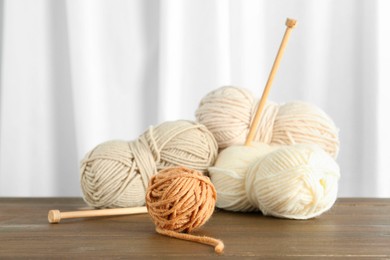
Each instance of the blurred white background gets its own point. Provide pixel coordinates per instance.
(77, 73)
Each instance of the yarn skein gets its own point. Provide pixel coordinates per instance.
(116, 173)
(228, 113)
(293, 181)
(228, 175)
(181, 200)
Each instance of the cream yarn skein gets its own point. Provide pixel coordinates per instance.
(116, 173)
(296, 182)
(228, 112)
(228, 175)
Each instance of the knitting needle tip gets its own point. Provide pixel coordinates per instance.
(291, 23)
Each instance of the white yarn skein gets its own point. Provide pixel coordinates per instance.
(297, 182)
(228, 175)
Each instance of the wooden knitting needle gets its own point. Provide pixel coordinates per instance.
(290, 23)
(55, 215)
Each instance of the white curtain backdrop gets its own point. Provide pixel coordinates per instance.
(77, 73)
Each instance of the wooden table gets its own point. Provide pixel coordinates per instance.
(355, 228)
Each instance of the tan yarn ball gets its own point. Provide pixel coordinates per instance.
(228, 112)
(117, 173)
(181, 200)
(296, 182)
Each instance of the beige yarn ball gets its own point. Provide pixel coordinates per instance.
(116, 173)
(228, 112)
(296, 182)
(229, 173)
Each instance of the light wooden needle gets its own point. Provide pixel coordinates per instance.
(290, 23)
(55, 215)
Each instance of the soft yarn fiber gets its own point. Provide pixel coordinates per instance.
(180, 200)
(294, 181)
(228, 112)
(298, 182)
(228, 175)
(116, 173)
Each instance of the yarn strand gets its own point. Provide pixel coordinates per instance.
(216, 243)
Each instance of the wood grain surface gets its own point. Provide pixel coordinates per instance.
(354, 228)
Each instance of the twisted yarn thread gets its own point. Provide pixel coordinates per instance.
(297, 182)
(181, 200)
(228, 112)
(229, 173)
(294, 181)
(117, 173)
